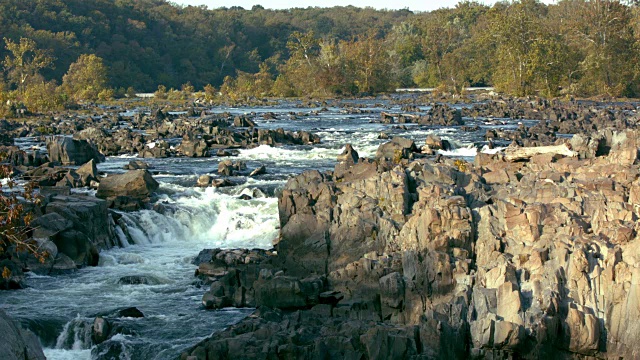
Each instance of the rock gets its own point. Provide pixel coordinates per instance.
(396, 150)
(204, 181)
(11, 276)
(428, 259)
(78, 247)
(218, 183)
(16, 157)
(243, 122)
(194, 148)
(284, 292)
(442, 115)
(229, 168)
(137, 165)
(100, 330)
(69, 151)
(349, 155)
(130, 312)
(225, 168)
(89, 216)
(259, 171)
(18, 344)
(135, 184)
(88, 172)
(136, 280)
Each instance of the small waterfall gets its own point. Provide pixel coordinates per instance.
(206, 216)
(76, 335)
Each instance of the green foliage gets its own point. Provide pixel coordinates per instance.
(582, 47)
(24, 62)
(210, 92)
(86, 79)
(161, 93)
(42, 97)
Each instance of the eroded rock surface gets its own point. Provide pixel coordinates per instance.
(400, 258)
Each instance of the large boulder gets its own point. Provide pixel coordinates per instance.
(17, 343)
(397, 149)
(85, 214)
(127, 191)
(70, 151)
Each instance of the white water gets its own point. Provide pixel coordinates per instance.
(160, 247)
(161, 244)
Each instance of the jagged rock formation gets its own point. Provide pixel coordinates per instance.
(415, 259)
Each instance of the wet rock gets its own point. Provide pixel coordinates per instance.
(17, 343)
(204, 181)
(136, 280)
(261, 170)
(12, 277)
(218, 183)
(137, 165)
(100, 330)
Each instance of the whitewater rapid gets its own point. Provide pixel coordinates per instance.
(160, 243)
(160, 246)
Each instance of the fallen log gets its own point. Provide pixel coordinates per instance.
(513, 153)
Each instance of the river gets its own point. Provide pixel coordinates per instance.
(161, 245)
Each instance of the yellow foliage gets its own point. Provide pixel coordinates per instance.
(461, 165)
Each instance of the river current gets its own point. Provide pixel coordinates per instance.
(161, 246)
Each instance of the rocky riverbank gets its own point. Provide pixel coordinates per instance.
(529, 252)
(406, 257)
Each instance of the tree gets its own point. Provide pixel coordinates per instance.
(15, 220)
(602, 30)
(529, 57)
(86, 78)
(24, 62)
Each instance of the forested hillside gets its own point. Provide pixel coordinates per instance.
(150, 42)
(574, 47)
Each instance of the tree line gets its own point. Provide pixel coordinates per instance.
(574, 47)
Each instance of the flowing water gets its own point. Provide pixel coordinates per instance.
(160, 245)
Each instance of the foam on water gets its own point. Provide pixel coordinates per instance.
(468, 151)
(63, 354)
(159, 246)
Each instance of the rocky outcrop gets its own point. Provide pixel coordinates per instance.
(128, 191)
(416, 259)
(69, 234)
(16, 157)
(68, 151)
(17, 343)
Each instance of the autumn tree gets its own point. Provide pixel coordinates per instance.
(300, 69)
(15, 219)
(86, 78)
(602, 31)
(24, 62)
(529, 58)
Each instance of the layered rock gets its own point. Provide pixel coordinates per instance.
(68, 151)
(416, 259)
(128, 191)
(17, 343)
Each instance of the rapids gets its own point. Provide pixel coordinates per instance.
(160, 244)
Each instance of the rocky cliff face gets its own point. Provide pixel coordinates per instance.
(417, 259)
